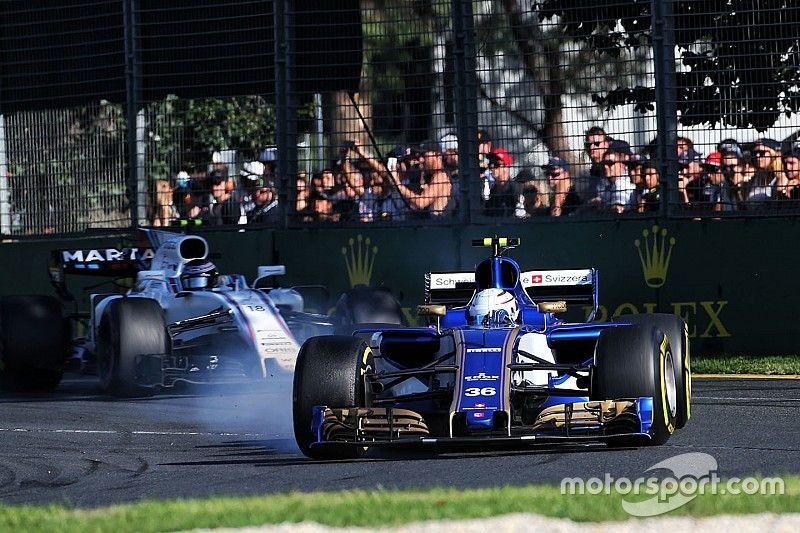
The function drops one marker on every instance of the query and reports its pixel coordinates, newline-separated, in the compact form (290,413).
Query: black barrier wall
(734,282)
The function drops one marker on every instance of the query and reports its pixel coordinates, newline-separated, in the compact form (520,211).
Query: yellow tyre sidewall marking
(662,372)
(687,372)
(364,359)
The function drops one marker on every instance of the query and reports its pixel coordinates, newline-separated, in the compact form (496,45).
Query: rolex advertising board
(730,280)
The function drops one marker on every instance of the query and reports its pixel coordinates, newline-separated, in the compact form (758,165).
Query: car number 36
(485,391)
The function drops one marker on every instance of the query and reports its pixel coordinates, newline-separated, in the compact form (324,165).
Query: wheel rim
(669,381)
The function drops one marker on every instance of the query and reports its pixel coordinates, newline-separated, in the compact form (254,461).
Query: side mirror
(266,271)
(431,310)
(552,307)
(271,270)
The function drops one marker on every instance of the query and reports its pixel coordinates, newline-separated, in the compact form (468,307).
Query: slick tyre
(367,307)
(635,361)
(130,327)
(330,371)
(678,334)
(34,343)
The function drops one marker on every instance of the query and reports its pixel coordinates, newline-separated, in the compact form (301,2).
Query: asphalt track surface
(80,448)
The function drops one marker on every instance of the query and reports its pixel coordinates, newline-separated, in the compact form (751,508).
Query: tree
(740,59)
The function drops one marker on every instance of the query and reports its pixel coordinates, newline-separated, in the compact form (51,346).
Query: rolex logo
(654,255)
(359,258)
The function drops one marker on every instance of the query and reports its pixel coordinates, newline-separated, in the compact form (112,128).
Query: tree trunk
(544,67)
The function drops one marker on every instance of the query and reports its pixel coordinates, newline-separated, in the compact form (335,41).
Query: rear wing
(574,286)
(100,262)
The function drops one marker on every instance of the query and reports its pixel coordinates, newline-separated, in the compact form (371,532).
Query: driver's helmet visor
(494,318)
(196,282)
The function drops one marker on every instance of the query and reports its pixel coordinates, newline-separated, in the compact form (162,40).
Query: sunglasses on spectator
(595,143)
(554,174)
(762,153)
(609,162)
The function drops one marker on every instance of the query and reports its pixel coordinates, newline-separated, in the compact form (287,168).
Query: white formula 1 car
(180,321)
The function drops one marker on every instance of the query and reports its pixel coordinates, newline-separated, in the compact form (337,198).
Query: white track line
(744,398)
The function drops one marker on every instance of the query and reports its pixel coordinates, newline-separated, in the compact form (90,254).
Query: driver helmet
(199,274)
(493,308)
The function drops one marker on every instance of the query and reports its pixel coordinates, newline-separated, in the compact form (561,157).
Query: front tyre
(677,333)
(635,361)
(130,328)
(330,371)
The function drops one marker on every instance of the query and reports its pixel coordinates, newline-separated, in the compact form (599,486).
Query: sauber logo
(481,376)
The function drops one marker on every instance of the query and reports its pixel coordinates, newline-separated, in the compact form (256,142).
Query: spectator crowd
(418,183)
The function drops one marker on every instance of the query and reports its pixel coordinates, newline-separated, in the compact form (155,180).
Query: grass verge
(369,509)
(769,365)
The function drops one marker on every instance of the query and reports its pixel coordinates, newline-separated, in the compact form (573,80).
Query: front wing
(572,422)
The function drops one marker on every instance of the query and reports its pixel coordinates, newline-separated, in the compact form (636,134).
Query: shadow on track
(265,453)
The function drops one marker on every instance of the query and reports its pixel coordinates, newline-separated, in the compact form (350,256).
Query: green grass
(367,509)
(729,364)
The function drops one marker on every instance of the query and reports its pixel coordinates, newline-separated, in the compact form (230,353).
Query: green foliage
(739,61)
(750,364)
(377,508)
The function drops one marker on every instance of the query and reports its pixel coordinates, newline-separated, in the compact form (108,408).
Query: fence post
(285,107)
(134,118)
(466,101)
(666,105)
(5,191)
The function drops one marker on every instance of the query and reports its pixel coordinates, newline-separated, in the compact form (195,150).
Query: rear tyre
(635,361)
(130,327)
(364,306)
(34,343)
(330,371)
(678,334)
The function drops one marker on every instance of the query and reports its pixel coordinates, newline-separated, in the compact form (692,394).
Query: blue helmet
(199,274)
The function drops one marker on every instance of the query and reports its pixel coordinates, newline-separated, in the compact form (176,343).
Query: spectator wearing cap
(435,197)
(650,197)
(381,202)
(717,192)
(265,199)
(320,208)
(615,193)
(449,146)
(690,185)
(634,164)
(503,195)
(730,146)
(769,180)
(564,200)
(250,176)
(187,196)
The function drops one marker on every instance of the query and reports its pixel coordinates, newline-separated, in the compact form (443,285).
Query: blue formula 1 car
(496,366)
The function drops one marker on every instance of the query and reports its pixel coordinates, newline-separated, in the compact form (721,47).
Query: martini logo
(654,255)
(359,258)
